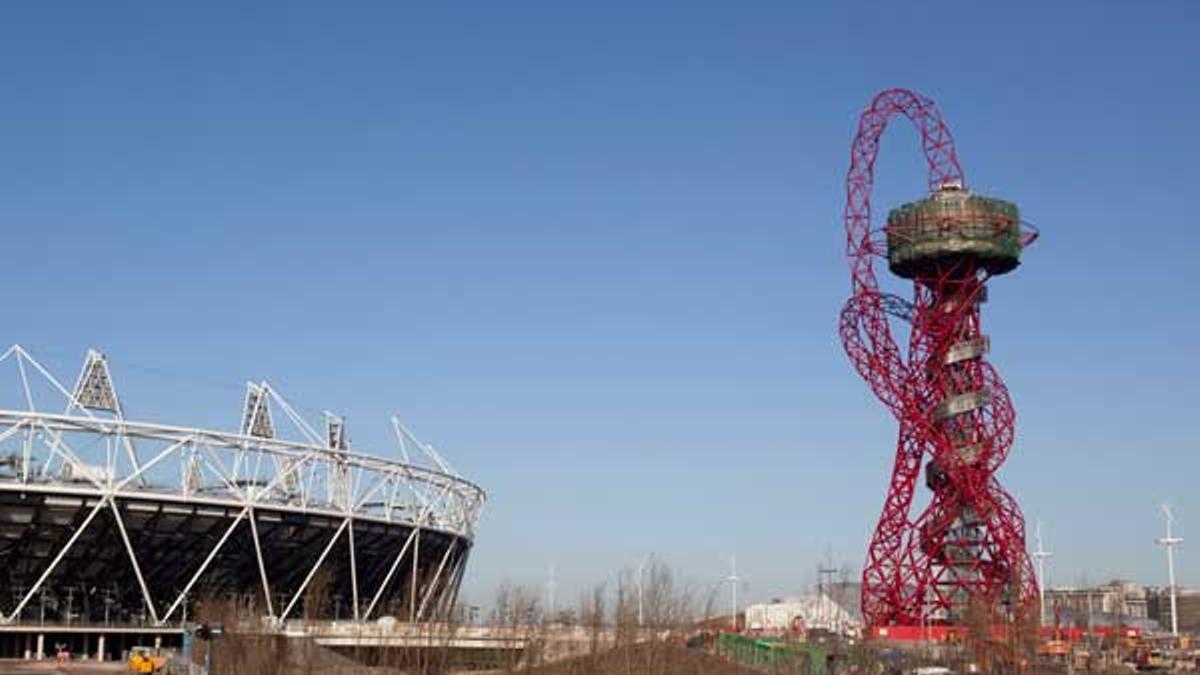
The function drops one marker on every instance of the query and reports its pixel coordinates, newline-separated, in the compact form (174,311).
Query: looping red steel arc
(954,411)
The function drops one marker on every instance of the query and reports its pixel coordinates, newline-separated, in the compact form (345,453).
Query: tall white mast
(733,580)
(1041,554)
(1170,542)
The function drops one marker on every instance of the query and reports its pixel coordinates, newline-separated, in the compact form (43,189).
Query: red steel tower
(925,565)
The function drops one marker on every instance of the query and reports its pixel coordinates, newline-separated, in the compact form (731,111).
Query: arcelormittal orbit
(956,418)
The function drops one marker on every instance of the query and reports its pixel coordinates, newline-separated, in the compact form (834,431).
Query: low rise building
(1187,601)
(1115,603)
(819,611)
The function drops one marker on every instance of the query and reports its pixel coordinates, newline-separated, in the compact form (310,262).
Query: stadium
(111,525)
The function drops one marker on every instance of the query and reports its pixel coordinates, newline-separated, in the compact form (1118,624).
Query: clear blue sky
(595,254)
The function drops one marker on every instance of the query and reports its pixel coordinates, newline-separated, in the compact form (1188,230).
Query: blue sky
(595,254)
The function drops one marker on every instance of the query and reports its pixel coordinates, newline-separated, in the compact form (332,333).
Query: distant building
(1187,601)
(1114,602)
(824,611)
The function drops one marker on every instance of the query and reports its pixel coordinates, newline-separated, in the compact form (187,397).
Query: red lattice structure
(925,565)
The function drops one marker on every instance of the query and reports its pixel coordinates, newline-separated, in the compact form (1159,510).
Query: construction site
(279,548)
(542,338)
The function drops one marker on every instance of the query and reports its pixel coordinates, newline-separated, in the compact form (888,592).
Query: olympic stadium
(111,523)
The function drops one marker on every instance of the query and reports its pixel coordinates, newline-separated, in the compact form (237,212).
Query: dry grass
(602,635)
(650,659)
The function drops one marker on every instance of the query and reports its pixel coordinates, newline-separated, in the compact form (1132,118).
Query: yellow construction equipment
(144,660)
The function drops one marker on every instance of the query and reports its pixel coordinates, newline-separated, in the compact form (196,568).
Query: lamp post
(1170,542)
(733,580)
(1040,554)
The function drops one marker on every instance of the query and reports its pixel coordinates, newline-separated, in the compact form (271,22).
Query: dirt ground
(52,668)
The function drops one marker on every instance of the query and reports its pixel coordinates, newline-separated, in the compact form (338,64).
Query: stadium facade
(107,522)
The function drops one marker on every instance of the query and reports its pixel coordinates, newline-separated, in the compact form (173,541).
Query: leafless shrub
(517,614)
(316,596)
(643,623)
(242,647)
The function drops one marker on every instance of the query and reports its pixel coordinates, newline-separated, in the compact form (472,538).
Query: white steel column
(436,578)
(312,572)
(439,608)
(57,559)
(353,568)
(204,566)
(262,568)
(412,598)
(388,577)
(137,570)
(462,570)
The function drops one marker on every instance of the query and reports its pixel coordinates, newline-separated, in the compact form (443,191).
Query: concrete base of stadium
(98,643)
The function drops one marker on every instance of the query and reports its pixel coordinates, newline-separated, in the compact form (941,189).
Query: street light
(733,580)
(1041,556)
(1170,543)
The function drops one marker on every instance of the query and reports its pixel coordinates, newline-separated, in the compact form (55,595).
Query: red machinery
(968,544)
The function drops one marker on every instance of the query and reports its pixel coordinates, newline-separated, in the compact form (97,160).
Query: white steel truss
(91,451)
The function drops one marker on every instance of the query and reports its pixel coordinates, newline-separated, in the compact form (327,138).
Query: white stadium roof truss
(83,445)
